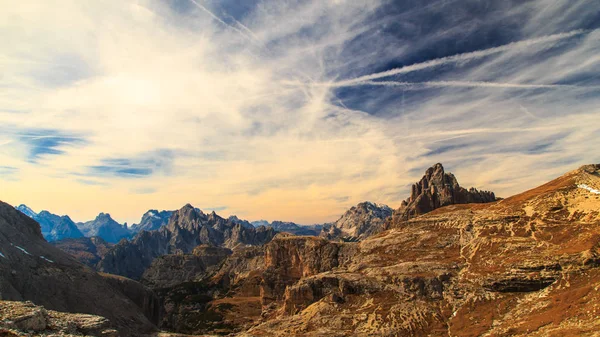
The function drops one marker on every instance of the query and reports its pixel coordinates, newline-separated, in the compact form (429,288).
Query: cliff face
(437,189)
(187,229)
(32,269)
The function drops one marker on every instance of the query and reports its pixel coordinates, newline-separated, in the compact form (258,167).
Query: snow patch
(47,259)
(21,249)
(2,255)
(586,187)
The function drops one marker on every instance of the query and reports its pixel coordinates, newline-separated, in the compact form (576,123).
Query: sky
(289,110)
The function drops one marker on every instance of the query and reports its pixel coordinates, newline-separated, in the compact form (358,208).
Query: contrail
(527,112)
(460,84)
(463,57)
(218,19)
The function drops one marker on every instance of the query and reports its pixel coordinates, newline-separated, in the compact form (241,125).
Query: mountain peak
(436,189)
(26,210)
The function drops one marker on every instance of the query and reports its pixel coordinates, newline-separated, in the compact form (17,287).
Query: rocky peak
(26,210)
(437,189)
(358,222)
(106,227)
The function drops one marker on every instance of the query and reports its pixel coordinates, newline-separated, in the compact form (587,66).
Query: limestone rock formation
(32,269)
(187,228)
(358,222)
(28,319)
(437,189)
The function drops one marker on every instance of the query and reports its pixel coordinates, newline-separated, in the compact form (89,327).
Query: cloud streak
(464,57)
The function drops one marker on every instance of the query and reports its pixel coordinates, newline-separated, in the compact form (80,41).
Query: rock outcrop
(28,319)
(358,222)
(437,189)
(32,269)
(187,228)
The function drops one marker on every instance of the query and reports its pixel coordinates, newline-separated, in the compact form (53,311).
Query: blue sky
(291,110)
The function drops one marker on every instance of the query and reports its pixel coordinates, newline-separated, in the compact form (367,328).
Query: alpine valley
(448,261)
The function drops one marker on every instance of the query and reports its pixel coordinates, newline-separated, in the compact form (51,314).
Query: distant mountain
(358,222)
(152,220)
(54,227)
(242,222)
(260,223)
(105,227)
(290,227)
(26,210)
(187,228)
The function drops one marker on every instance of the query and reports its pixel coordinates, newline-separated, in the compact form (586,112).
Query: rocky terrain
(88,251)
(105,227)
(358,222)
(26,319)
(32,269)
(54,227)
(524,266)
(528,265)
(187,228)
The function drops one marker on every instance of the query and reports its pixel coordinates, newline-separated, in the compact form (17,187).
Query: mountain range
(449,261)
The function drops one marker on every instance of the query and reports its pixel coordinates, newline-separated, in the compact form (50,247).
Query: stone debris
(28,319)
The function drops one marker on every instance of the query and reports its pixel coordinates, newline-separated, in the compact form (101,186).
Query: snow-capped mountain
(54,227)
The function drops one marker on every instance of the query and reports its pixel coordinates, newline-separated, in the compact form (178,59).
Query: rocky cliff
(187,229)
(32,269)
